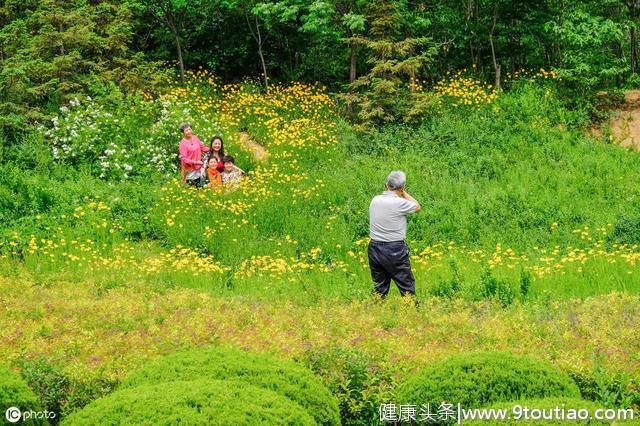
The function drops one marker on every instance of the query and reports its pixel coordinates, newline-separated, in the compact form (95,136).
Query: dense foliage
(285,377)
(528,241)
(193,402)
(14,392)
(516,199)
(480,379)
(53,51)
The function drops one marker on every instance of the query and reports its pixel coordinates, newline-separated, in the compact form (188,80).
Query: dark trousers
(391,261)
(194,182)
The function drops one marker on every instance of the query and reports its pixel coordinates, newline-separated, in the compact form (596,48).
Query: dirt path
(625,123)
(258,151)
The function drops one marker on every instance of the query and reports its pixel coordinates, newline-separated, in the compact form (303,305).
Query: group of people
(206,167)
(388,252)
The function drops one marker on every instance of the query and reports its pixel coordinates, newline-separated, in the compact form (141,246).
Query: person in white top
(388,252)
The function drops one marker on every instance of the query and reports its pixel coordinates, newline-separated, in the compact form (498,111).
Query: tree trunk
(473,57)
(257,36)
(264,67)
(515,47)
(496,67)
(469,15)
(180,60)
(164,15)
(634,37)
(354,63)
(176,37)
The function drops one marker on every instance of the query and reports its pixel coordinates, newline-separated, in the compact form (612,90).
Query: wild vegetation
(525,253)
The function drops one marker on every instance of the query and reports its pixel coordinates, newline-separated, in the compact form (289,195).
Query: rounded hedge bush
(479,379)
(288,378)
(206,402)
(14,392)
(547,405)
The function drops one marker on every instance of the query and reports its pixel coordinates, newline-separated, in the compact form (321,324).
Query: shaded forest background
(54,50)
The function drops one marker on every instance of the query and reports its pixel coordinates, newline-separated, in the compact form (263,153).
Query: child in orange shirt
(215,177)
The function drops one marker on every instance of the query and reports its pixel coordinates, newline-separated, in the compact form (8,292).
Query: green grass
(523,213)
(521,178)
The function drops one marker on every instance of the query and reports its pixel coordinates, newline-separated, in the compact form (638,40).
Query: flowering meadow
(528,242)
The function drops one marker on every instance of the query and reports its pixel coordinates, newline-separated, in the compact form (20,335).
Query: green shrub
(626,230)
(287,378)
(357,380)
(57,391)
(478,379)
(14,392)
(525,283)
(525,412)
(607,388)
(445,288)
(193,402)
(492,287)
(448,288)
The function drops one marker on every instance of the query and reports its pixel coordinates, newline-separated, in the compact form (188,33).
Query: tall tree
(328,23)
(258,17)
(53,50)
(589,35)
(341,19)
(633,7)
(254,24)
(496,67)
(386,93)
(170,13)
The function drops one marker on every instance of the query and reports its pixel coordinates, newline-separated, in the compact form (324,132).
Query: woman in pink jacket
(191,149)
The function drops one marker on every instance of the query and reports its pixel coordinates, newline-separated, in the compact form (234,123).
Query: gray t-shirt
(388,217)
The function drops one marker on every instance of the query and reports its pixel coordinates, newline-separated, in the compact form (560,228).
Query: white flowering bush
(132,137)
(138,134)
(111,138)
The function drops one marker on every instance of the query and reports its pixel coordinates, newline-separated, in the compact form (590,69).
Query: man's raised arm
(408,197)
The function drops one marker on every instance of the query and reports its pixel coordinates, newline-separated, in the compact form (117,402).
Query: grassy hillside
(527,238)
(508,187)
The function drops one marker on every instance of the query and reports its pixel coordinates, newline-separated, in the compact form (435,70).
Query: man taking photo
(388,251)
